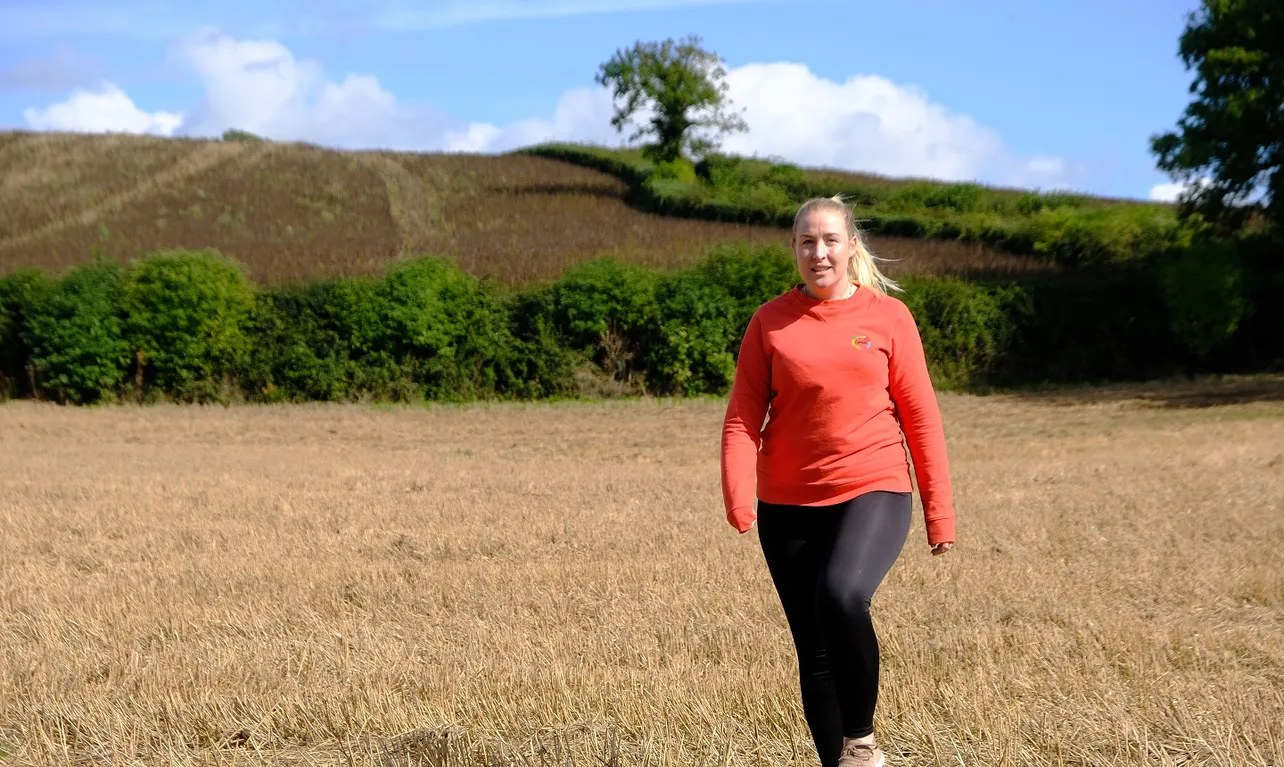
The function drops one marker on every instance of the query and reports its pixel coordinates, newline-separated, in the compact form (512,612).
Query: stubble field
(555,584)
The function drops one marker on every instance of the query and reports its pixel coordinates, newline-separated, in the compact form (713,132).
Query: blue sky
(1047,94)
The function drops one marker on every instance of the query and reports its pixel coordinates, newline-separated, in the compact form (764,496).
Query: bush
(184,312)
(296,348)
(691,352)
(605,308)
(1205,293)
(966,328)
(19,292)
(964,198)
(675,170)
(76,335)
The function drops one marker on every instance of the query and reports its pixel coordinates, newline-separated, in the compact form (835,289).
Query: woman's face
(822,249)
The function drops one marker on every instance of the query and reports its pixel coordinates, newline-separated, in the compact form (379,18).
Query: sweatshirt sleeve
(920,417)
(742,428)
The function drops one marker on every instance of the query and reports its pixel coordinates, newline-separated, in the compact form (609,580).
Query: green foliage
(245,137)
(296,348)
(76,336)
(683,87)
(965,328)
(1070,229)
(1205,292)
(604,308)
(427,330)
(696,329)
(19,292)
(680,169)
(1229,135)
(184,315)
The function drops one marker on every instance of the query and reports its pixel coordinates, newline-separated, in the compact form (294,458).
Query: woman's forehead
(822,221)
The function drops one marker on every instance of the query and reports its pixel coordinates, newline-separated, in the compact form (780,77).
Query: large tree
(1229,143)
(683,89)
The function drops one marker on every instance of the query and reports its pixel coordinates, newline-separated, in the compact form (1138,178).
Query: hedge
(190,326)
(1069,229)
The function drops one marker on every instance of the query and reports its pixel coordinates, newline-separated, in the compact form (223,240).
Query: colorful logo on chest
(862,342)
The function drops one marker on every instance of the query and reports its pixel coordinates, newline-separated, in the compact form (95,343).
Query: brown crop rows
(296,212)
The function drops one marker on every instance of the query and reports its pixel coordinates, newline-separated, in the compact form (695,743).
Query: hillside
(292,211)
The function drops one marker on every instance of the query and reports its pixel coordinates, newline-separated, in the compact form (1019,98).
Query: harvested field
(294,212)
(554,583)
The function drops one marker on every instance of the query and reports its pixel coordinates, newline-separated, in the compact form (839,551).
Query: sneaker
(856,754)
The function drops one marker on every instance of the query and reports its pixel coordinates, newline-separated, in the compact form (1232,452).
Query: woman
(838,365)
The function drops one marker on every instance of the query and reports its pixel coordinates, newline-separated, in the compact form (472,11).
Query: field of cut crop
(552,584)
(293,212)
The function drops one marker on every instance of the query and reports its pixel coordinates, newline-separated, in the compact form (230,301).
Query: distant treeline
(1069,229)
(191,326)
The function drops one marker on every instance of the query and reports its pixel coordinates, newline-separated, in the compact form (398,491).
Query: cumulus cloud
(106,110)
(865,123)
(259,86)
(1171,192)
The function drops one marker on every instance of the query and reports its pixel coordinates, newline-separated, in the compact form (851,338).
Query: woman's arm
(920,417)
(742,428)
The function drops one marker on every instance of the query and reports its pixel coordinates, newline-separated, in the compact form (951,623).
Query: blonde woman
(837,364)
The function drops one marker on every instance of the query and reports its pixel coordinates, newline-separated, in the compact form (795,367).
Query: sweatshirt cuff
(742,518)
(940,530)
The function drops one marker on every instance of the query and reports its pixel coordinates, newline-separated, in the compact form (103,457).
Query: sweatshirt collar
(861,297)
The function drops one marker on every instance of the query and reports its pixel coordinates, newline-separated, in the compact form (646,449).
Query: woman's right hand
(942,547)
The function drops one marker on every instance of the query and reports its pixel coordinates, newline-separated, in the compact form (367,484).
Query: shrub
(75,334)
(434,319)
(691,351)
(749,277)
(296,350)
(964,198)
(675,170)
(245,137)
(1204,290)
(538,363)
(604,308)
(19,292)
(965,328)
(184,312)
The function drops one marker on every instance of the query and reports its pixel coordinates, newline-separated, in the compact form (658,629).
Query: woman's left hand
(941,548)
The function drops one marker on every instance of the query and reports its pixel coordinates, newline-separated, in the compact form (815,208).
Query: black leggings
(826,563)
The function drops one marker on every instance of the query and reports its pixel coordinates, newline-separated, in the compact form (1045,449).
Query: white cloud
(581,115)
(1166,192)
(866,123)
(1170,192)
(107,110)
(259,86)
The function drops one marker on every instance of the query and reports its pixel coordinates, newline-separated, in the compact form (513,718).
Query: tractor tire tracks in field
(418,220)
(199,161)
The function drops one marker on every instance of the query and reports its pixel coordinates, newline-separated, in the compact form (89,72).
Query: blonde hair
(862,269)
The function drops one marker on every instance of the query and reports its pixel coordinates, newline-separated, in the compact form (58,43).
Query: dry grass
(554,584)
(297,212)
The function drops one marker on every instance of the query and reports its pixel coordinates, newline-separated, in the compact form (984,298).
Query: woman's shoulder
(786,302)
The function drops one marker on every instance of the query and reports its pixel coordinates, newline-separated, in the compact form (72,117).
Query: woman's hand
(941,548)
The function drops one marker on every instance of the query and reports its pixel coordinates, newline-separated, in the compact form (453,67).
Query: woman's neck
(843,290)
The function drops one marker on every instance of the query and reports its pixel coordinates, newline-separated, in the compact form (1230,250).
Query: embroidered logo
(862,342)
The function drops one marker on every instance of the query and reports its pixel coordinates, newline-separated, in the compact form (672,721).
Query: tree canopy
(1229,143)
(681,90)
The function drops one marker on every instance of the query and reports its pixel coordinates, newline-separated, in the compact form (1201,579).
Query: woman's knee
(847,595)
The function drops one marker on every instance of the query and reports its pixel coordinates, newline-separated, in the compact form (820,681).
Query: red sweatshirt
(841,380)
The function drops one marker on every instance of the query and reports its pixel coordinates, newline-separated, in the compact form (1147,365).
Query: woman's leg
(795,542)
(868,536)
